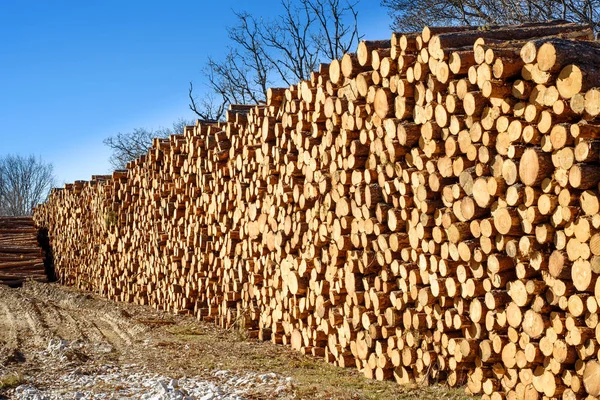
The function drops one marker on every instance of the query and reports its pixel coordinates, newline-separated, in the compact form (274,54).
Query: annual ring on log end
(505,221)
(531,169)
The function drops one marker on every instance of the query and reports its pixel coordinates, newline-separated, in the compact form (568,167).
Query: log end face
(503,221)
(296,340)
(362,53)
(591,378)
(592,102)
(381,103)
(569,81)
(347,65)
(434,46)
(546,56)
(533,324)
(575,176)
(529,167)
(335,71)
(528,52)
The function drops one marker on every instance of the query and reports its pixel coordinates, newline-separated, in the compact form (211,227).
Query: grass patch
(155,322)
(186,330)
(11,381)
(196,348)
(313,377)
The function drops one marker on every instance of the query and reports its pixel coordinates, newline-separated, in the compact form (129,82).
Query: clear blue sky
(75,72)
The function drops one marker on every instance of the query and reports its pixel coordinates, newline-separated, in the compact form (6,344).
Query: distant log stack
(425,210)
(20,255)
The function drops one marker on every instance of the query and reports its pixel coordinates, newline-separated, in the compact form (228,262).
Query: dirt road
(58,343)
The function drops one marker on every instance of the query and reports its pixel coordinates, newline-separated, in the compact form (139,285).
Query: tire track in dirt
(40,313)
(8,334)
(68,316)
(21,320)
(38,327)
(116,330)
(109,334)
(79,328)
(27,318)
(105,339)
(57,322)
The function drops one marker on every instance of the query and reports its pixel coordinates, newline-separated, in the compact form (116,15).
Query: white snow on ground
(131,381)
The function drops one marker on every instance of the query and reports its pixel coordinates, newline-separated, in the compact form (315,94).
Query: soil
(52,336)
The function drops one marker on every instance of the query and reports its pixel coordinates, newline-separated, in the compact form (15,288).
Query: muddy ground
(60,343)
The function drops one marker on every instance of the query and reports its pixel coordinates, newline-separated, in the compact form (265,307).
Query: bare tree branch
(131,145)
(412,15)
(279,51)
(208,110)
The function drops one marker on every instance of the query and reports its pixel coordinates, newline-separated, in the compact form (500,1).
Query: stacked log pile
(426,209)
(20,255)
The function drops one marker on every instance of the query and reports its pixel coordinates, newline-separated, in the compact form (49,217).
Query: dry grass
(11,381)
(313,377)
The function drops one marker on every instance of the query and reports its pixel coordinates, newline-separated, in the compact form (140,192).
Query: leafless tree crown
(412,15)
(24,183)
(281,51)
(131,145)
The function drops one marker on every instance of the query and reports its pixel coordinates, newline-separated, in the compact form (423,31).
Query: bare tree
(131,145)
(280,51)
(178,127)
(412,15)
(24,183)
(207,108)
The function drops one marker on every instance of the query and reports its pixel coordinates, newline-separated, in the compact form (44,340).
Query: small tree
(24,183)
(131,145)
(281,51)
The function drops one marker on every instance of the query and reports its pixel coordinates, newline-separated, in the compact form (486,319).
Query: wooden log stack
(20,255)
(426,209)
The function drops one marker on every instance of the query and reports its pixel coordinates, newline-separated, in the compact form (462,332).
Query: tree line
(24,183)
